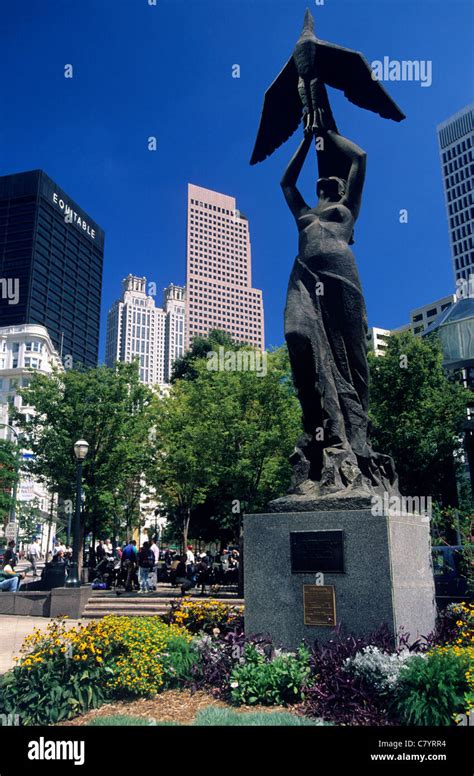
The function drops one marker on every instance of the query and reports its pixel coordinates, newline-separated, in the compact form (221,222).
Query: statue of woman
(326,326)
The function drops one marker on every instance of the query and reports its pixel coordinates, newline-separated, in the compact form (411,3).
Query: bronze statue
(325,316)
(315,62)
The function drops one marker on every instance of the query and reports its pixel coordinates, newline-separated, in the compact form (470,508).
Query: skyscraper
(138,329)
(219,293)
(174,307)
(456,140)
(51,258)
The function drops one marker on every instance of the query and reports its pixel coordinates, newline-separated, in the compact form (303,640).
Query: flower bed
(204,616)
(63,672)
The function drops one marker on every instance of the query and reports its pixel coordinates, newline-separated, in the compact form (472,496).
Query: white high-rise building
(420,319)
(174,306)
(456,142)
(138,329)
(24,350)
(377,340)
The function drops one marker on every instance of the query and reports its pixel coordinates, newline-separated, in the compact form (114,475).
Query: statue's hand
(307,123)
(319,125)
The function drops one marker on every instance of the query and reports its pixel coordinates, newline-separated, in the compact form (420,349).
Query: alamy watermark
(465,288)
(237,361)
(420,70)
(10,289)
(393,506)
(9,720)
(42,749)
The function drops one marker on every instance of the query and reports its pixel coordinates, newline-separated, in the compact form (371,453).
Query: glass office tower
(51,259)
(456,142)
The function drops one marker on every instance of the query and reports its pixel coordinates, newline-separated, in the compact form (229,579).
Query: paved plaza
(12,632)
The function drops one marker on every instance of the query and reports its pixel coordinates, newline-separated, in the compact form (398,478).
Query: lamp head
(80,449)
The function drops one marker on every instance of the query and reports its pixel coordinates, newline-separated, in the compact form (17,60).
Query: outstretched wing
(281,114)
(349,71)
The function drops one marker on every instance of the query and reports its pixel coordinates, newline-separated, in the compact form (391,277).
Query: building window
(32,362)
(33,347)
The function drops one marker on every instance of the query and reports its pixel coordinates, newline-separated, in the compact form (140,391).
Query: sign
(72,216)
(319,605)
(27,490)
(315,551)
(11,531)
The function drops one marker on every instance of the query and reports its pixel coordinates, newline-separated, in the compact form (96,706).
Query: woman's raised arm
(355,181)
(293,197)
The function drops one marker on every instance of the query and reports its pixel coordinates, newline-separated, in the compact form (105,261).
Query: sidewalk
(12,632)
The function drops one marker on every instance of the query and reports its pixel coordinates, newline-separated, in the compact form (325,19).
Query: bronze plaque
(319,603)
(313,551)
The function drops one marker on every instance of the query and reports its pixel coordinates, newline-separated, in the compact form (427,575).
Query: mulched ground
(179,706)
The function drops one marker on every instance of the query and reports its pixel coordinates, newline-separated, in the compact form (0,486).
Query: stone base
(59,602)
(69,601)
(387,575)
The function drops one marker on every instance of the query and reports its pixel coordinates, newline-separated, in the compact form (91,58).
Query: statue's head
(331,188)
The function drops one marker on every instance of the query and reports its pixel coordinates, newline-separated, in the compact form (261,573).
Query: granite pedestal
(387,575)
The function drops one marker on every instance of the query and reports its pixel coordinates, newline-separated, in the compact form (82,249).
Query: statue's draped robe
(326,333)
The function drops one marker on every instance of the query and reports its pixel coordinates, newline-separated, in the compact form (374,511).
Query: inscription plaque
(319,605)
(313,551)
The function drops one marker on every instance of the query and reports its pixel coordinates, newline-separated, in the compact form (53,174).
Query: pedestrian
(182,578)
(100,552)
(129,563)
(189,555)
(202,569)
(10,581)
(146,561)
(225,560)
(156,554)
(174,570)
(109,550)
(58,547)
(34,555)
(10,557)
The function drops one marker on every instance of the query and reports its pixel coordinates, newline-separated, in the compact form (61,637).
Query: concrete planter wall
(61,601)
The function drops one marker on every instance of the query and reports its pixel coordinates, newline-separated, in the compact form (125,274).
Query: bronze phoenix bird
(299,89)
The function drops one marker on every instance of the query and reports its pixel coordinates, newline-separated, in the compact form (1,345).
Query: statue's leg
(321,107)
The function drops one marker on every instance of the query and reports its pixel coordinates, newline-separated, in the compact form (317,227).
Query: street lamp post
(80,451)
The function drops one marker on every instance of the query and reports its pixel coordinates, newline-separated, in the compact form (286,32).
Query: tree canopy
(417,413)
(110,409)
(223,440)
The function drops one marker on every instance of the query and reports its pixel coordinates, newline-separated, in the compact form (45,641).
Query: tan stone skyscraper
(219,293)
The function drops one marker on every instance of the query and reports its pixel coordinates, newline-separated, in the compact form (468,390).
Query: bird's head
(308,24)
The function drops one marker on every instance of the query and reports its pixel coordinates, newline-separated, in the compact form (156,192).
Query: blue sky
(166,71)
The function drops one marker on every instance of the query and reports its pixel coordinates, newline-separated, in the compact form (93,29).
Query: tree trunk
(186,521)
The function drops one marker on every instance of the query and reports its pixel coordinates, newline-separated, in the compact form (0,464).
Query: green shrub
(270,683)
(433,689)
(67,671)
